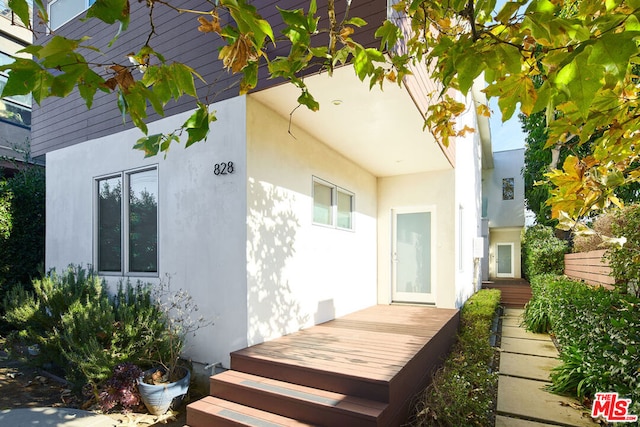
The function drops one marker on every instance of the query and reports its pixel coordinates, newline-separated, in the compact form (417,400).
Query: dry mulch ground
(25,386)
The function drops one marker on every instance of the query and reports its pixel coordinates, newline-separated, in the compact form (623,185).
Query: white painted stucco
(505,213)
(300,274)
(432,190)
(202,221)
(468,202)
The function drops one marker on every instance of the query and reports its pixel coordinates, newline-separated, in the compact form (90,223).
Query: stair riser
(314,413)
(311,378)
(196,418)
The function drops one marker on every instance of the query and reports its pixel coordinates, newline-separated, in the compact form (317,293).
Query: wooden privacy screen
(591,267)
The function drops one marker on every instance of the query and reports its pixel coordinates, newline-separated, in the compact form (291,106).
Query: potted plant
(165,385)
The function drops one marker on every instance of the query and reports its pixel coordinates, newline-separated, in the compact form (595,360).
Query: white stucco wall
(300,274)
(505,213)
(202,223)
(468,202)
(430,189)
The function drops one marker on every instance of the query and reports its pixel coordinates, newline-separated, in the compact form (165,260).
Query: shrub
(22,224)
(85,331)
(603,226)
(625,260)
(599,336)
(463,391)
(542,251)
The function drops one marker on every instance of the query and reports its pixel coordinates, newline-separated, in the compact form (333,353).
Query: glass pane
(504,259)
(143,222)
(507,188)
(345,210)
(322,212)
(109,224)
(62,11)
(413,251)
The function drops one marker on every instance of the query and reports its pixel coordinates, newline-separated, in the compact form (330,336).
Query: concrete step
(211,411)
(318,407)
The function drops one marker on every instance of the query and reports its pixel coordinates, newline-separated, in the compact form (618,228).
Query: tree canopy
(583,52)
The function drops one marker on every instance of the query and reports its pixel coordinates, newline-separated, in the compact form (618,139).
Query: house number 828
(223,168)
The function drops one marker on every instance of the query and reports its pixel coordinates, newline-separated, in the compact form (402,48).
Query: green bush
(22,224)
(599,336)
(463,391)
(82,329)
(625,260)
(542,251)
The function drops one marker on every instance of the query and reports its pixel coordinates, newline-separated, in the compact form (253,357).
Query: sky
(508,135)
(504,136)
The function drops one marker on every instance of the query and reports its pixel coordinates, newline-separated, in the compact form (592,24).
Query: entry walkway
(525,364)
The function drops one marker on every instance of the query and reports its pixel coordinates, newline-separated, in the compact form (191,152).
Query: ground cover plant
(463,391)
(82,330)
(542,251)
(598,333)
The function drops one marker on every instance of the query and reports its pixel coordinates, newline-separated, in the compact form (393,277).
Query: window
(332,205)
(508,189)
(127,227)
(15,109)
(63,11)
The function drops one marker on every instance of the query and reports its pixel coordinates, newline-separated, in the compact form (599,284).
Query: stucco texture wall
(202,223)
(300,273)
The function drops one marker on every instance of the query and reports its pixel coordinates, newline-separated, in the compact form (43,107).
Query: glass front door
(504,259)
(412,256)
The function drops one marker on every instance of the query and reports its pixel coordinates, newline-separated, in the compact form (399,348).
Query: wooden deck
(359,370)
(515,292)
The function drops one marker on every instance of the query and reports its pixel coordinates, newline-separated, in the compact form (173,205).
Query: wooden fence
(591,267)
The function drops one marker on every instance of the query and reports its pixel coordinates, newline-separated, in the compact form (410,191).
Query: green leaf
(21,8)
(110,12)
(183,78)
(88,85)
(389,34)
(356,22)
(197,125)
(507,11)
(59,45)
(613,52)
(581,80)
(149,144)
(308,100)
(64,83)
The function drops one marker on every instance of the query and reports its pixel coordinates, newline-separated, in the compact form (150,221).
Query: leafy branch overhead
(584,53)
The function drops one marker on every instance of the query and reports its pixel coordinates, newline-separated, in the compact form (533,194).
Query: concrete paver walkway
(58,417)
(526,361)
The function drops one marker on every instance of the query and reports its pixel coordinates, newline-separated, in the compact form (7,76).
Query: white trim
(87,5)
(334,204)
(428,298)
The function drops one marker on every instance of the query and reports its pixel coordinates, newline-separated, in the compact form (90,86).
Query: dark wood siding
(59,123)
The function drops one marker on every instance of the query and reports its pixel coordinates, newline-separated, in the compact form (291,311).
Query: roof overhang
(380,130)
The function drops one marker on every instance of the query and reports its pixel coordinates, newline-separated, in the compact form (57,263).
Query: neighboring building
(282,219)
(503,213)
(15,111)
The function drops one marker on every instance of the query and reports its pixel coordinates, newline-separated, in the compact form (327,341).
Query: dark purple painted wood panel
(59,123)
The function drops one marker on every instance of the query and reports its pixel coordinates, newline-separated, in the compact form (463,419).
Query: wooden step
(211,411)
(306,404)
(323,376)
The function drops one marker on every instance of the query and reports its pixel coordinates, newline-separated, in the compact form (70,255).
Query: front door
(412,255)
(504,260)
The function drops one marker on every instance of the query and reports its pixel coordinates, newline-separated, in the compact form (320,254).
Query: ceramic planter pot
(159,398)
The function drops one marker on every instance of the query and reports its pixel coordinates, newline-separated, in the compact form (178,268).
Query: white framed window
(126,223)
(17,108)
(63,11)
(332,206)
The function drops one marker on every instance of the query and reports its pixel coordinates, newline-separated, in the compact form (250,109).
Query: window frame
(505,183)
(335,190)
(87,5)
(125,211)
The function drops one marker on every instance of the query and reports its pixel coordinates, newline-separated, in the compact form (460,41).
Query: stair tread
(315,396)
(242,414)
